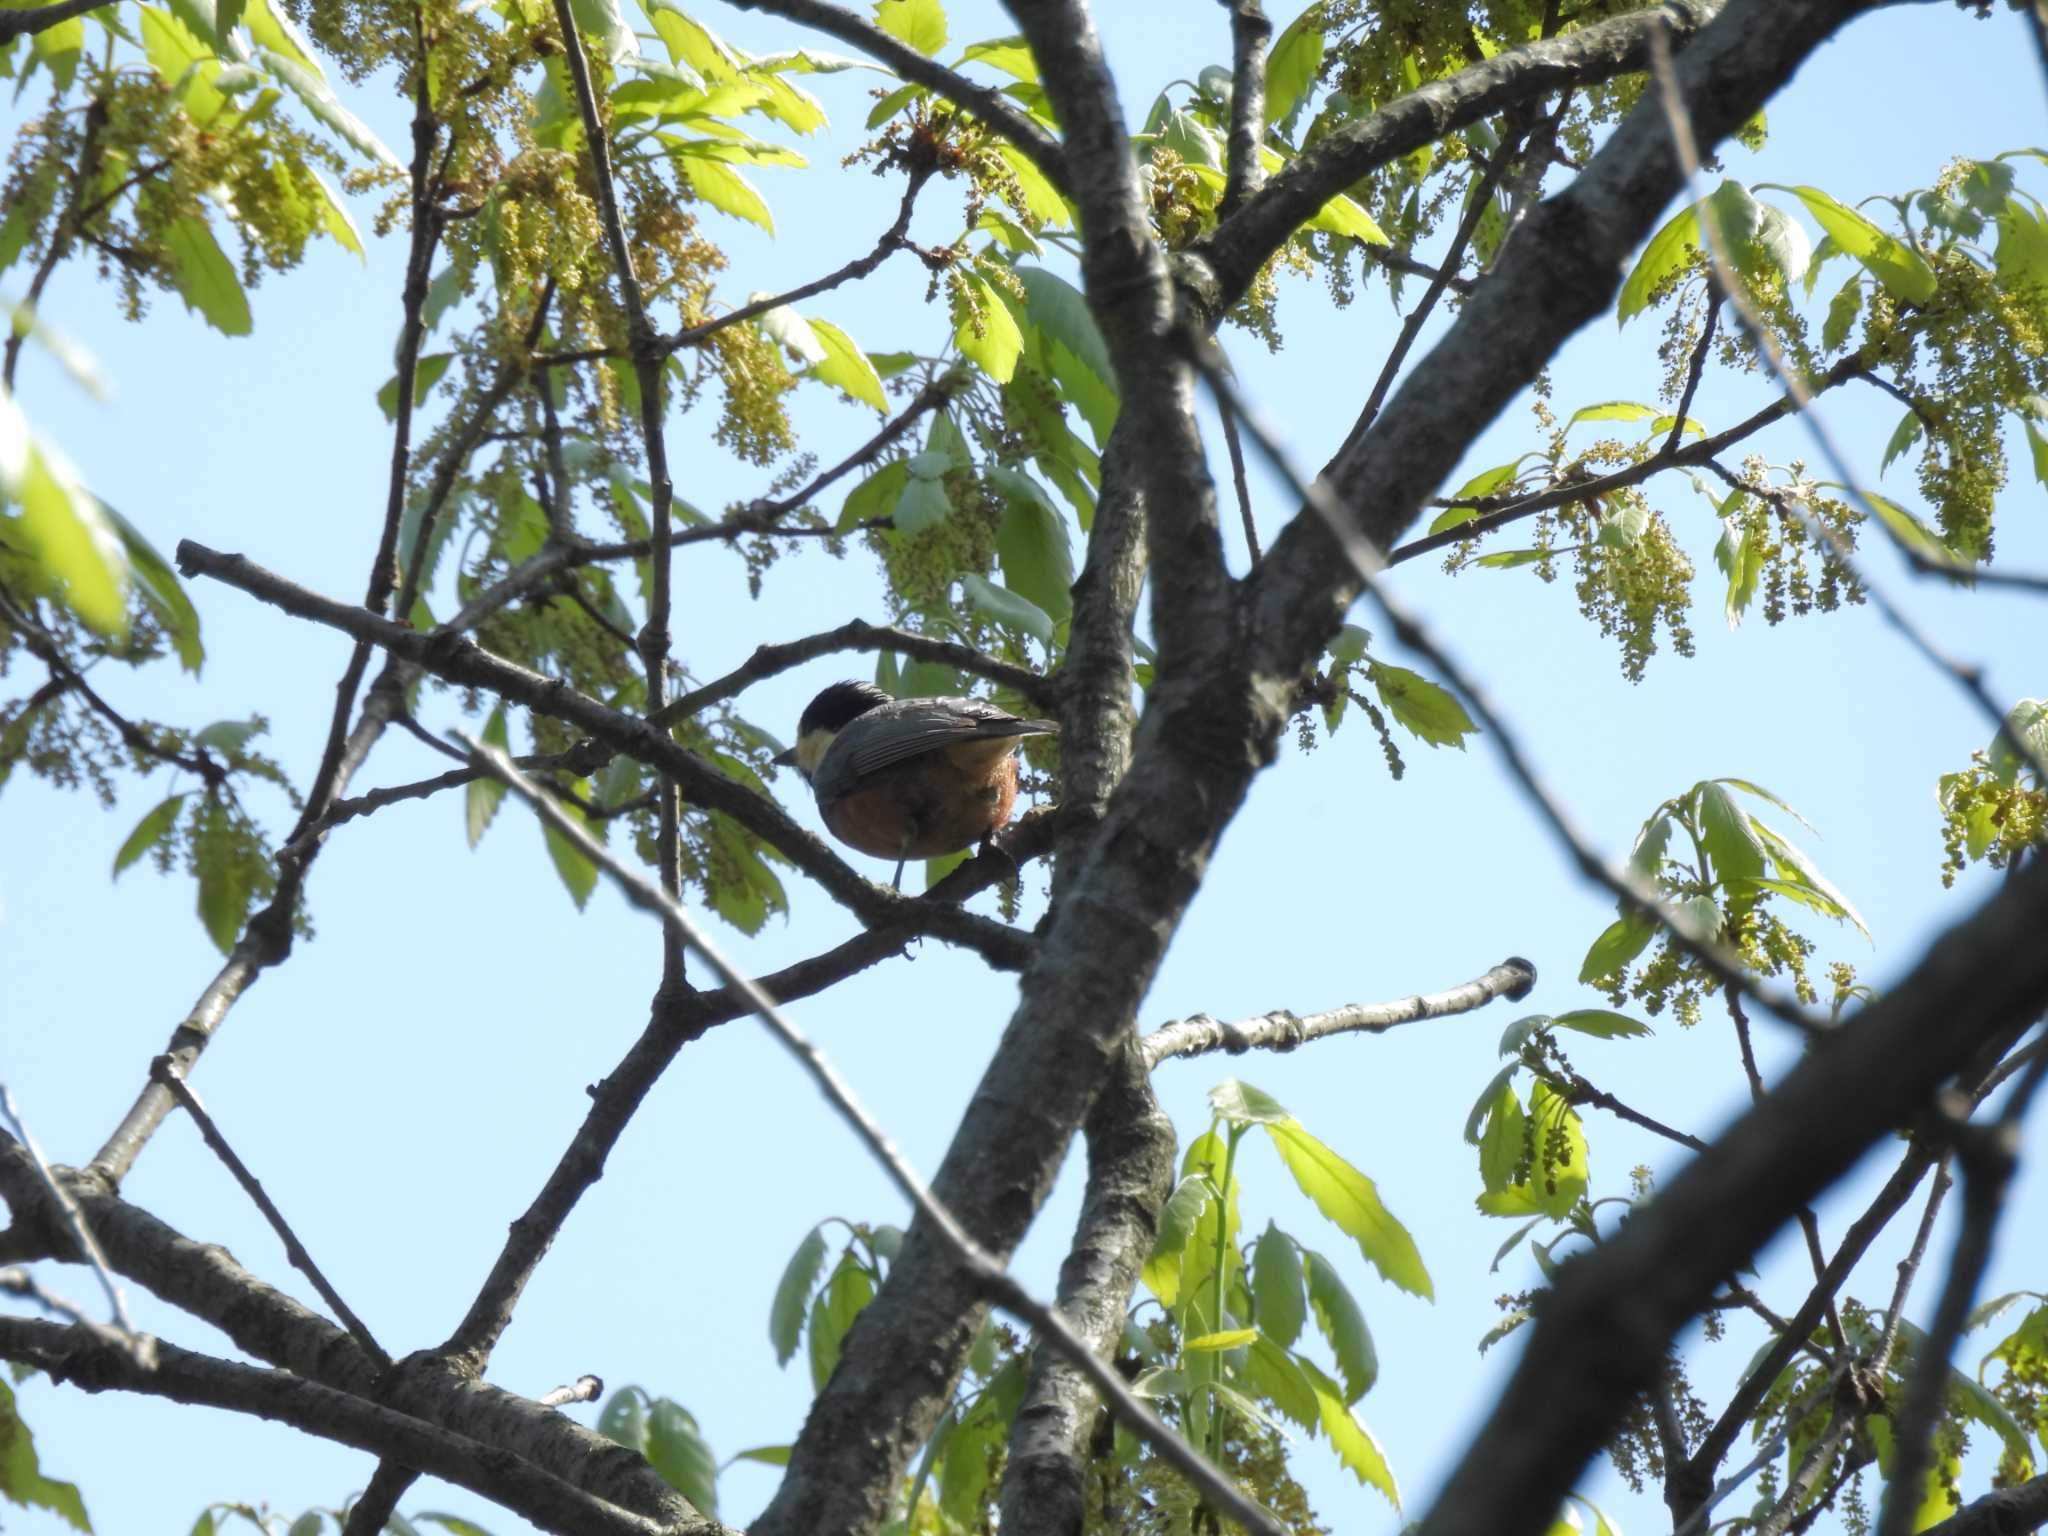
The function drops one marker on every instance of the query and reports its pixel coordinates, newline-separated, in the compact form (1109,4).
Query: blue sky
(404,1083)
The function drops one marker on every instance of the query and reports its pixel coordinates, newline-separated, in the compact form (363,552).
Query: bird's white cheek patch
(810,751)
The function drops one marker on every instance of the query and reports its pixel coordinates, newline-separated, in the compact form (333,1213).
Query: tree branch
(1240,245)
(1250,31)
(977,101)
(73,1355)
(462,661)
(1281,1030)
(14,24)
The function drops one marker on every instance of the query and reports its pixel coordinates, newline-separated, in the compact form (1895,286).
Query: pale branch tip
(1282,1030)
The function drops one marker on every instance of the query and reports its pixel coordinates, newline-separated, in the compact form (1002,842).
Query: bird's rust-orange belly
(938,803)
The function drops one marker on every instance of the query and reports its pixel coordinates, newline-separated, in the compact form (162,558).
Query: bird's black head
(838,704)
(823,718)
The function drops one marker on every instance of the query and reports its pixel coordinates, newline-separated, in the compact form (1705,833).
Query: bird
(909,779)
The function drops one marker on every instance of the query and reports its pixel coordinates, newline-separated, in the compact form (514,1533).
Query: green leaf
(1342,1325)
(71,537)
(1353,1442)
(1242,1104)
(1843,309)
(578,874)
(2022,256)
(1042,200)
(833,1312)
(766,1455)
(426,374)
(1619,943)
(1907,530)
(1074,349)
(603,20)
(1500,1144)
(1274,1374)
(1427,710)
(161,590)
(1741,560)
(148,832)
(1808,885)
(623,1419)
(1902,270)
(1229,1338)
(990,338)
(1613,410)
(205,277)
(1341,216)
(1007,608)
(1758,237)
(1178,1219)
(1667,251)
(1031,542)
(1904,436)
(874,497)
(1012,55)
(1277,1286)
(846,367)
(454,1524)
(922,505)
(223,875)
(920,23)
(304,82)
(726,190)
(481,796)
(1601,1023)
(1293,63)
(1727,834)
(896,101)
(2027,723)
(1349,1199)
(690,42)
(676,1449)
(793,1294)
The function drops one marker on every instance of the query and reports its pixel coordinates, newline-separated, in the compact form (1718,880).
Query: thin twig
(1282,1030)
(584,1389)
(17,1281)
(1580,1091)
(89,1250)
(1409,629)
(998,1284)
(164,1072)
(1235,443)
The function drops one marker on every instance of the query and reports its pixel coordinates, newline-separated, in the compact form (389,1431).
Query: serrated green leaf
(1431,712)
(1178,1219)
(1007,608)
(832,1313)
(1843,309)
(1031,542)
(676,1449)
(1613,410)
(1242,1104)
(1293,63)
(205,277)
(846,367)
(1229,1338)
(148,832)
(1501,1142)
(577,873)
(1619,943)
(1902,270)
(318,97)
(1353,1442)
(161,590)
(1727,834)
(1277,1286)
(1601,1023)
(1012,55)
(874,497)
(990,338)
(1908,530)
(726,190)
(1350,1200)
(1274,1374)
(1342,1324)
(1904,436)
(1666,252)
(481,796)
(2026,723)
(793,1294)
(920,23)
(223,899)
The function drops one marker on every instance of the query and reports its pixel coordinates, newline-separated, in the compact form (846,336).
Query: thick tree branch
(1250,31)
(977,101)
(461,661)
(1281,1030)
(75,1356)
(1240,245)
(14,24)
(1609,1319)
(2008,1512)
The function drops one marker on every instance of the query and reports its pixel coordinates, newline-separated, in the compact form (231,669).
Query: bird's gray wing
(895,733)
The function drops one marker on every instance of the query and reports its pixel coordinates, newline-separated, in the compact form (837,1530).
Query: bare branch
(87,1247)
(17,1281)
(584,1389)
(75,1356)
(1281,1030)
(1249,33)
(2013,1511)
(977,101)
(14,24)
(163,1071)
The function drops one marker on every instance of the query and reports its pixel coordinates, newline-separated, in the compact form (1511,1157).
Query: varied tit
(909,778)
